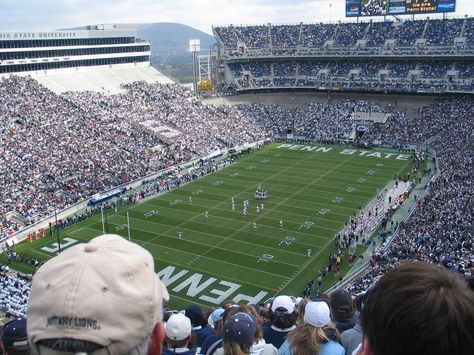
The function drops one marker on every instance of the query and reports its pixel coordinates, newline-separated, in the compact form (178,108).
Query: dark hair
(281,319)
(188,342)
(419,308)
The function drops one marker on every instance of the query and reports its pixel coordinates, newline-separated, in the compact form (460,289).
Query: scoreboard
(356,8)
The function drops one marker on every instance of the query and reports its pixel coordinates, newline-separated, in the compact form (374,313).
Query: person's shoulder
(269,349)
(332,348)
(284,348)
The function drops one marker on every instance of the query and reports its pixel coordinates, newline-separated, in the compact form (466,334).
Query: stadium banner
(356,8)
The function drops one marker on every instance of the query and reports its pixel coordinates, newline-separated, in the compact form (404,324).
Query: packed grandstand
(59,149)
(412,56)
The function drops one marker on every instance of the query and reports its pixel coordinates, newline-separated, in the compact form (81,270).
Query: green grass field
(312,189)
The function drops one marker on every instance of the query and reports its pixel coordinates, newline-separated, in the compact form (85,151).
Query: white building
(99,58)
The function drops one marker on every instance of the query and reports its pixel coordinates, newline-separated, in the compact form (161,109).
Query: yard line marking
(199,243)
(240,240)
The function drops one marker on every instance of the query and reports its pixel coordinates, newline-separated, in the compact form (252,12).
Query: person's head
(239,334)
(178,331)
(308,336)
(301,305)
(195,314)
(14,338)
(283,313)
(101,297)
(215,320)
(418,308)
(342,305)
(249,309)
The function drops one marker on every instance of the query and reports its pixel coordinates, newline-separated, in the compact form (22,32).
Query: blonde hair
(301,310)
(306,339)
(232,348)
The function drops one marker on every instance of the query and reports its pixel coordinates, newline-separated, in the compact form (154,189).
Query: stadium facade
(414,56)
(38,53)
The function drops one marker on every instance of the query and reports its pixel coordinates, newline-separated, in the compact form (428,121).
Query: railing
(328,52)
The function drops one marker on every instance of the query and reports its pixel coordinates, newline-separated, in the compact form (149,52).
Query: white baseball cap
(317,314)
(178,327)
(105,292)
(283,302)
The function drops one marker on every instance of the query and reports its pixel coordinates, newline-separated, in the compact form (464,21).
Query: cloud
(48,15)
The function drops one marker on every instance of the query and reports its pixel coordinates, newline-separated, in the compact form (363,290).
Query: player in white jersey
(281,223)
(206,215)
(309,252)
(254,225)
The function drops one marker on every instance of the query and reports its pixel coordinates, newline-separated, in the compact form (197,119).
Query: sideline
(403,213)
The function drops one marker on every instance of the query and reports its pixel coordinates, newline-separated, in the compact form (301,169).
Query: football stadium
(318,169)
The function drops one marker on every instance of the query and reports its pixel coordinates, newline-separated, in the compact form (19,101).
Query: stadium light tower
(194,46)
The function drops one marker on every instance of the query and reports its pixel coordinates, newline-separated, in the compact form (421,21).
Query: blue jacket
(329,348)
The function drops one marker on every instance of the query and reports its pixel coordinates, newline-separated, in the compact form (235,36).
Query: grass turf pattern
(206,261)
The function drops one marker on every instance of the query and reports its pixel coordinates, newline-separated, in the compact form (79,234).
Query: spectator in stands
(214,341)
(200,327)
(103,296)
(14,339)
(282,321)
(351,338)
(240,336)
(316,335)
(178,339)
(343,311)
(418,308)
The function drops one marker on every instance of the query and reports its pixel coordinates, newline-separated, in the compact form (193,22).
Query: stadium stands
(53,144)
(350,56)
(57,129)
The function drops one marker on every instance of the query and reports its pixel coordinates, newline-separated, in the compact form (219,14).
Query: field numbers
(287,240)
(307,225)
(175,202)
(371,172)
(379,164)
(251,167)
(68,242)
(234,174)
(350,189)
(324,211)
(197,192)
(338,199)
(150,213)
(361,180)
(120,227)
(277,155)
(265,258)
(217,182)
(264,161)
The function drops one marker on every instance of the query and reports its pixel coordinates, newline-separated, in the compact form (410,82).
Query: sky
(31,15)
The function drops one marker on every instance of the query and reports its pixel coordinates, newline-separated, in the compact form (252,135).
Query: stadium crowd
(284,39)
(440,230)
(356,75)
(384,320)
(315,55)
(60,149)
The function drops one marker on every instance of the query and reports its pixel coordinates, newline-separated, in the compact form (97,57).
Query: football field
(312,190)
